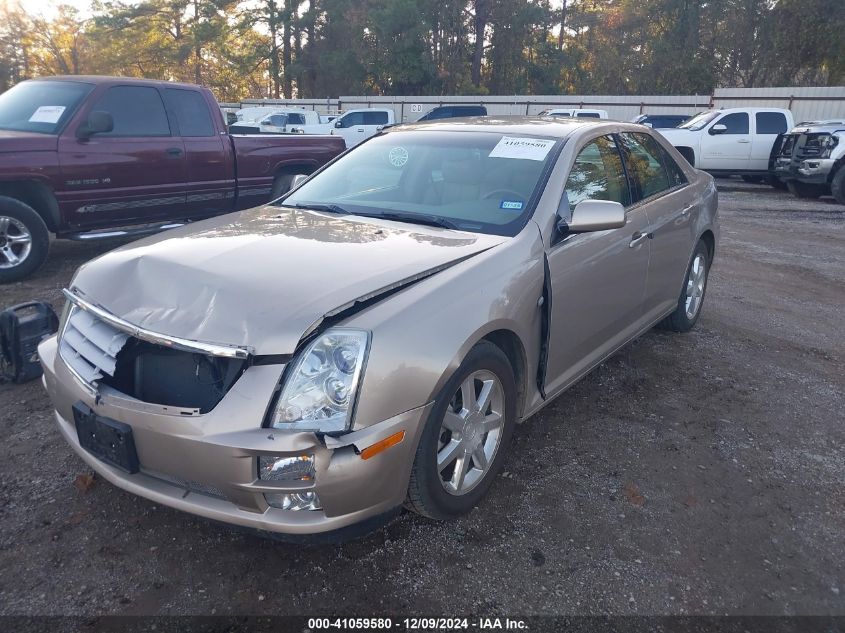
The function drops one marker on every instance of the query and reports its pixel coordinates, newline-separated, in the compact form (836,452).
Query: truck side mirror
(338,123)
(99,122)
(719,128)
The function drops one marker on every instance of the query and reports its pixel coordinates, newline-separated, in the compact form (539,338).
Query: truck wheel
(24,240)
(775,182)
(687,153)
(282,184)
(805,190)
(837,185)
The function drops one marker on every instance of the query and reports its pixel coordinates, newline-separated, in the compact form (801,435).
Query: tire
(757,180)
(804,190)
(282,184)
(24,240)
(684,319)
(837,185)
(774,181)
(687,153)
(428,493)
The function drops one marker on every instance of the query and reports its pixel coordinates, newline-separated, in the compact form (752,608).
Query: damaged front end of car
(215,430)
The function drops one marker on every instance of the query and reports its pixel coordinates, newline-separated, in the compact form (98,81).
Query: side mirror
(298,180)
(338,124)
(594,215)
(98,122)
(719,128)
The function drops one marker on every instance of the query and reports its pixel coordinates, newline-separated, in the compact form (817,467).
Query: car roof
(105,79)
(559,127)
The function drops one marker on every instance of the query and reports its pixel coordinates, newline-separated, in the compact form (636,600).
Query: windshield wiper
(413,218)
(328,208)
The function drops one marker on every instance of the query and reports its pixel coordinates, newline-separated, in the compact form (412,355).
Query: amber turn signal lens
(378,447)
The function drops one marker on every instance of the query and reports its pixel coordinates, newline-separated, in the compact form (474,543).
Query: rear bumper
(207,464)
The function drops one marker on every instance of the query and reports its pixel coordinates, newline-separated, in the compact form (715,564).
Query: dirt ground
(690,474)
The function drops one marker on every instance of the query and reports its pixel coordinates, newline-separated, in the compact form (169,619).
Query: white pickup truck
(359,125)
(731,141)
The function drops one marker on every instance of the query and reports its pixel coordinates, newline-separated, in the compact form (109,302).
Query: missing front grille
(159,375)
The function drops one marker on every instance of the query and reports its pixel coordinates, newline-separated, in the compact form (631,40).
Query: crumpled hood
(262,278)
(11,141)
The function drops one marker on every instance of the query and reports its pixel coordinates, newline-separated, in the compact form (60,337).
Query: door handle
(638,237)
(174,151)
(743,140)
(360,129)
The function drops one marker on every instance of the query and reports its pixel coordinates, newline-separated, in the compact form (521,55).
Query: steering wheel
(498,192)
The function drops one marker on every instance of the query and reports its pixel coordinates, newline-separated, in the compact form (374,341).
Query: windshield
(699,120)
(475,181)
(40,106)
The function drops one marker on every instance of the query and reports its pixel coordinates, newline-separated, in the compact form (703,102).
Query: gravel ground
(689,474)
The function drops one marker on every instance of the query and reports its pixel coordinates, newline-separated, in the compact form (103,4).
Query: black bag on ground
(22,328)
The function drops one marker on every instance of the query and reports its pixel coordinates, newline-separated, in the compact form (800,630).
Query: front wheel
(805,190)
(24,240)
(686,314)
(837,185)
(466,436)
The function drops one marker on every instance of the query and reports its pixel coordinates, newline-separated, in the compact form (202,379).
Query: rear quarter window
(770,122)
(191,112)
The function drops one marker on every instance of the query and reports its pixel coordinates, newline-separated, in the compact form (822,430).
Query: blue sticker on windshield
(511,205)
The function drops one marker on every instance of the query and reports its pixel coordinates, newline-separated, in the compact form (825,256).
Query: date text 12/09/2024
(417,624)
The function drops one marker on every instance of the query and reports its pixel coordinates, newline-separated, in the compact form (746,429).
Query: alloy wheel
(15,242)
(695,285)
(471,432)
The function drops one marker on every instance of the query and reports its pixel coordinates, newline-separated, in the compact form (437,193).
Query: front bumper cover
(207,464)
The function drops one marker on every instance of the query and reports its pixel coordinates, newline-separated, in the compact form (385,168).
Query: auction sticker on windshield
(522,148)
(47,114)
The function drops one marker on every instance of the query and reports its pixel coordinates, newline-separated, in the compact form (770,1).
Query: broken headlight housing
(319,391)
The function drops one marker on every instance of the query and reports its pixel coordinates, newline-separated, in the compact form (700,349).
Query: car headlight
(319,391)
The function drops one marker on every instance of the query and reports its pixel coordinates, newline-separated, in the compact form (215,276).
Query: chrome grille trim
(187,345)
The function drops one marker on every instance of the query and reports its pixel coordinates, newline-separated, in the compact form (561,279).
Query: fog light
(274,468)
(294,500)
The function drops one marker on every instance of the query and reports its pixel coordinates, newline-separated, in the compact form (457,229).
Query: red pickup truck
(79,155)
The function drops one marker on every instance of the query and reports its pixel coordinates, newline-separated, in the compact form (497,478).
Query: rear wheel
(24,240)
(686,314)
(282,184)
(837,185)
(805,190)
(466,436)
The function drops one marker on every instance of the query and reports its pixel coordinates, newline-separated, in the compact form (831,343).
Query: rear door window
(770,122)
(645,167)
(296,119)
(597,174)
(191,112)
(136,110)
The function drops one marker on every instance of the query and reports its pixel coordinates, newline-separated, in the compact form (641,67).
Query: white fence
(806,103)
